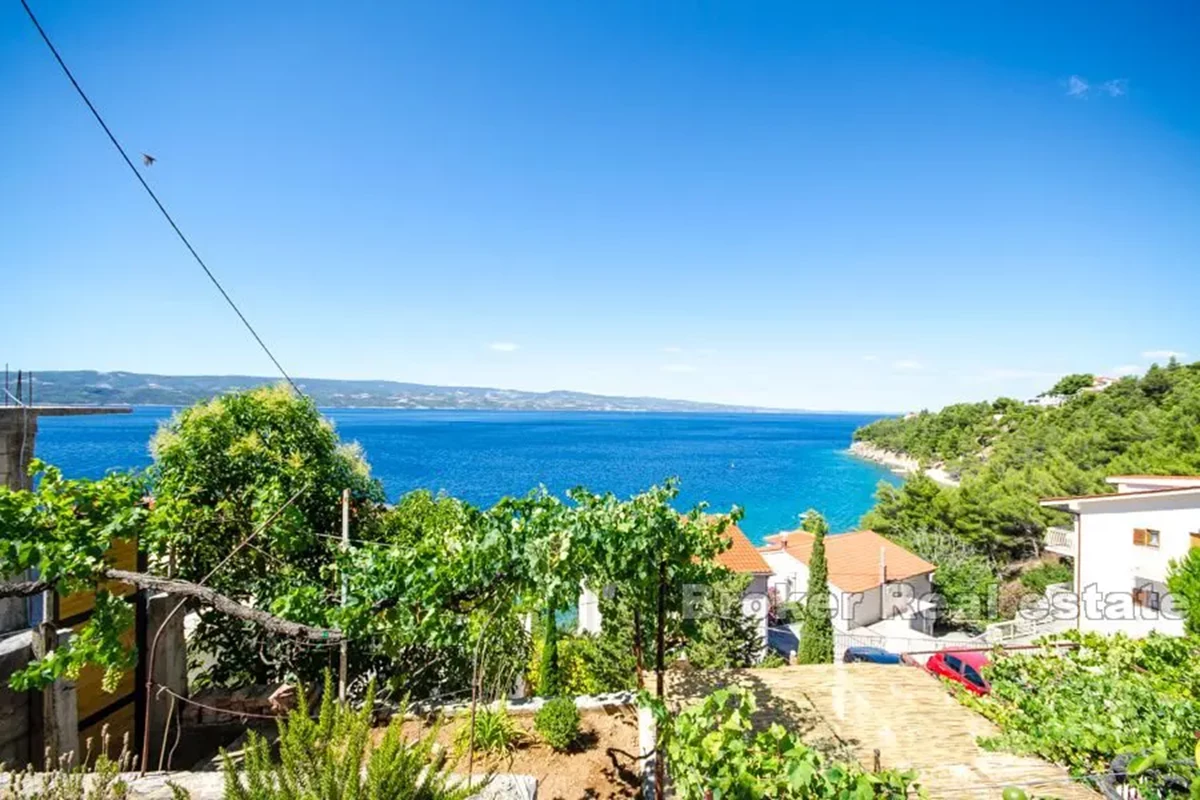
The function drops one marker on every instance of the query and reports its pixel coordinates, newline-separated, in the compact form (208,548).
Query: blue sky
(830,206)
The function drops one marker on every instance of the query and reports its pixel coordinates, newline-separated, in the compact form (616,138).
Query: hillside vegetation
(1007,455)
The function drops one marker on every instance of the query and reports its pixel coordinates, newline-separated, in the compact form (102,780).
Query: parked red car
(961,667)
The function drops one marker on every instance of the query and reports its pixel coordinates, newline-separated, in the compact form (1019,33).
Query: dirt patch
(592,770)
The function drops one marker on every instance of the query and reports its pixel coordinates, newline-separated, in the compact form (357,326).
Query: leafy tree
(64,529)
(1072,384)
(816,632)
(1183,581)
(224,468)
(648,552)
(965,580)
(1156,383)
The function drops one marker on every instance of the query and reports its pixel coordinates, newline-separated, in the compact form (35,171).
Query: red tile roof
(741,555)
(853,558)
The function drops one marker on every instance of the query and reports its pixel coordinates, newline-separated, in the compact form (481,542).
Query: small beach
(900,463)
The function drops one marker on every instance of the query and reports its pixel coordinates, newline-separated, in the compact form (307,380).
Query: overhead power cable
(83,95)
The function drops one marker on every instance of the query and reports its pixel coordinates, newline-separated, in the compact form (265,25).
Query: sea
(775,466)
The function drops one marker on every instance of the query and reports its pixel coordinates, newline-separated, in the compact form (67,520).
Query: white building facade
(1122,545)
(879,593)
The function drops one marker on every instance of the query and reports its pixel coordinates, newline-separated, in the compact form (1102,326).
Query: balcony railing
(1060,541)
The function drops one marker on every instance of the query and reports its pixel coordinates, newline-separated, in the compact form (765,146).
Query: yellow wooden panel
(122,554)
(90,696)
(120,722)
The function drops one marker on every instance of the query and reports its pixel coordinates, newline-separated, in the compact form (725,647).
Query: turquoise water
(774,465)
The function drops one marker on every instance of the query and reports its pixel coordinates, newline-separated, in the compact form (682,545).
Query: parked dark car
(870,655)
(961,667)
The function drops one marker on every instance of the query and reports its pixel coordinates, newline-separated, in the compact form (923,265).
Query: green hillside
(1007,455)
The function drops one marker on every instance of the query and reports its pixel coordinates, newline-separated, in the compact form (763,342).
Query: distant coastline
(89,387)
(900,463)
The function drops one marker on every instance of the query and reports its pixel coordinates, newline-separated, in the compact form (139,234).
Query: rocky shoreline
(900,463)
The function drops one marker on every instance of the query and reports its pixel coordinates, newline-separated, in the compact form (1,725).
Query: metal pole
(344,658)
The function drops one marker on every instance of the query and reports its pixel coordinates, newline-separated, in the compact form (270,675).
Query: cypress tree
(816,634)
(548,679)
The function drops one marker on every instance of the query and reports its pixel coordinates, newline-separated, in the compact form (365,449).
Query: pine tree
(816,634)
(724,636)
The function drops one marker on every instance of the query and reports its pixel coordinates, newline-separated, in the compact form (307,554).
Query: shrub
(771,660)
(331,757)
(558,723)
(1109,697)
(1037,579)
(495,732)
(66,780)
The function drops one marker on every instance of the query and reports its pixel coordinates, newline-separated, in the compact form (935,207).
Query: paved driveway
(904,713)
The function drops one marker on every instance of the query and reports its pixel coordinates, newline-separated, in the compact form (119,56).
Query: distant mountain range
(88,387)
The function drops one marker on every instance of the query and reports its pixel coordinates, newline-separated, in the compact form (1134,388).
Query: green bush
(331,757)
(558,723)
(1083,707)
(1183,581)
(1037,579)
(711,747)
(771,660)
(495,732)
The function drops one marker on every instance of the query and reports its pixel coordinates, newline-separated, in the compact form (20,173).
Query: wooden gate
(122,709)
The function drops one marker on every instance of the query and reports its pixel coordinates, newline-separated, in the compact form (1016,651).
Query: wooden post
(344,657)
(59,707)
(875,765)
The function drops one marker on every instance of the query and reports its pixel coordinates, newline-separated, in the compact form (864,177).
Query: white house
(740,558)
(1122,545)
(879,592)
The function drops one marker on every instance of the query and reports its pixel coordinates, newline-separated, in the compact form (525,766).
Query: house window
(1147,594)
(1195,538)
(1146,537)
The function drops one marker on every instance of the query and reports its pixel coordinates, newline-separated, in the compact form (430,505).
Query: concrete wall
(17,433)
(1109,564)
(755,605)
(16,708)
(170,663)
